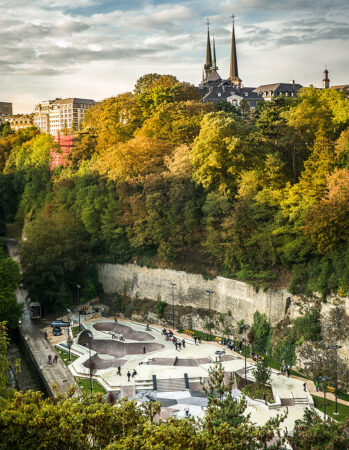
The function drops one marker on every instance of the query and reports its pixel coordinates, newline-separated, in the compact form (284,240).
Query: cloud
(45,41)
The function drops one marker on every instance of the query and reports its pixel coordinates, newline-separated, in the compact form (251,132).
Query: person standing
(199,340)
(180,345)
(195,338)
(288,370)
(305,387)
(183,343)
(128,375)
(49,359)
(56,358)
(176,344)
(119,371)
(144,351)
(265,398)
(317,386)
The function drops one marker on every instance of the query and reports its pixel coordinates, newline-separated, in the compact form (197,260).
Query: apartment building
(19,121)
(5,109)
(54,116)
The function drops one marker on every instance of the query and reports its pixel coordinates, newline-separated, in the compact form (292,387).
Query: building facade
(6,109)
(55,116)
(19,121)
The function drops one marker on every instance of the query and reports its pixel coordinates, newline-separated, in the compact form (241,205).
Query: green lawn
(343,410)
(65,356)
(84,384)
(75,331)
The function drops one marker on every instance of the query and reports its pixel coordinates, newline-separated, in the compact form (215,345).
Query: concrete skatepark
(166,373)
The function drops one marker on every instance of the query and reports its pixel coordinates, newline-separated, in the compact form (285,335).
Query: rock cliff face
(235,300)
(241,299)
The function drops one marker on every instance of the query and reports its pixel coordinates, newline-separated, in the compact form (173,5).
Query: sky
(99,48)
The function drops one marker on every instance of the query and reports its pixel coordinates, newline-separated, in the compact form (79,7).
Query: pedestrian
(317,386)
(195,338)
(113,335)
(186,410)
(180,345)
(288,371)
(265,398)
(134,373)
(144,351)
(305,387)
(46,335)
(119,371)
(176,344)
(183,343)
(56,357)
(128,375)
(240,345)
(115,320)
(49,359)
(199,340)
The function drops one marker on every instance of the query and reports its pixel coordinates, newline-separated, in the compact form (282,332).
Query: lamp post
(209,306)
(173,315)
(90,337)
(335,348)
(245,327)
(69,341)
(324,379)
(78,288)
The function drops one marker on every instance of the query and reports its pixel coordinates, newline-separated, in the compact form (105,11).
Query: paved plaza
(173,376)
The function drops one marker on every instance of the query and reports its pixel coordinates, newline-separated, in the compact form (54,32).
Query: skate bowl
(126,331)
(100,364)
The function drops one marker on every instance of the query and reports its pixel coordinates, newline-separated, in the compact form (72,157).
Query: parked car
(57,331)
(59,323)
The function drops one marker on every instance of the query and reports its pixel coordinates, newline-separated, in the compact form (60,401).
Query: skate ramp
(127,332)
(100,364)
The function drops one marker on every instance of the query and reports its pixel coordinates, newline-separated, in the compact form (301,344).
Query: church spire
(208,60)
(234,75)
(214,61)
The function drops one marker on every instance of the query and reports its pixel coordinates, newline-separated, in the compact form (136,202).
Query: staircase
(171,384)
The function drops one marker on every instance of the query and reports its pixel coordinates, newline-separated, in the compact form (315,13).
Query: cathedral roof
(278,87)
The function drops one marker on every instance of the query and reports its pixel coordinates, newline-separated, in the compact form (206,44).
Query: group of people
(230,343)
(51,360)
(129,375)
(121,337)
(256,357)
(169,336)
(285,370)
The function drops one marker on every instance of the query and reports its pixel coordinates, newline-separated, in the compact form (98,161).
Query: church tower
(326,81)
(234,75)
(208,59)
(210,73)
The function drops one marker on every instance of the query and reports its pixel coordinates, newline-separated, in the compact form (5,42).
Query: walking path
(55,376)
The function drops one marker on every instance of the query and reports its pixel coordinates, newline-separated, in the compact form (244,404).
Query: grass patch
(257,391)
(343,410)
(75,331)
(84,384)
(64,354)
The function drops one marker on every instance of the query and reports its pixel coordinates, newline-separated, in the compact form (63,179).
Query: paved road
(32,330)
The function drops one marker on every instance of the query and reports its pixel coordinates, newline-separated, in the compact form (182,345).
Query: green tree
(312,432)
(10,310)
(51,257)
(261,332)
(220,152)
(262,373)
